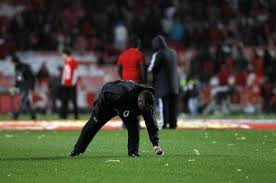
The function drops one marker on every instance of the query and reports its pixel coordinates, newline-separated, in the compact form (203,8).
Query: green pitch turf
(190,156)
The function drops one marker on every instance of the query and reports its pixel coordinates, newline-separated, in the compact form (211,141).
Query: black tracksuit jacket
(119,98)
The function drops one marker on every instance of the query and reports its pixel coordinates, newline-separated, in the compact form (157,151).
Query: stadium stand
(233,41)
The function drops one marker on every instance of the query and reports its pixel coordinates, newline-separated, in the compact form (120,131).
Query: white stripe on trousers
(161,123)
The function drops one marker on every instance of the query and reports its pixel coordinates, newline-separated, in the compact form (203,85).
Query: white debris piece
(197,153)
(9,136)
(113,161)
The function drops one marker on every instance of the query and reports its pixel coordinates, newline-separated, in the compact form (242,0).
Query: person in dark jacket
(128,100)
(163,67)
(25,83)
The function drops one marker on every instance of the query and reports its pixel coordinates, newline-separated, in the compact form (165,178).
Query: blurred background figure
(55,91)
(131,62)
(69,84)
(191,89)
(25,82)
(163,67)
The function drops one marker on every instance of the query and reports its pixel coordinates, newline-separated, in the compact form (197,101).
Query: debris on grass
(231,144)
(113,161)
(241,138)
(239,170)
(40,136)
(9,136)
(167,164)
(191,160)
(196,152)
(145,151)
(214,142)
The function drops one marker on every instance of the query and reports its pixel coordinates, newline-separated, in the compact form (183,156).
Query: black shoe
(134,155)
(74,154)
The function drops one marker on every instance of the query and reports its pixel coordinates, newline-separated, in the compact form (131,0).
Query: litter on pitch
(113,161)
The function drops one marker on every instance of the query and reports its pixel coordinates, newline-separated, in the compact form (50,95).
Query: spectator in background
(120,36)
(163,66)
(192,89)
(131,62)
(25,83)
(55,89)
(43,73)
(69,84)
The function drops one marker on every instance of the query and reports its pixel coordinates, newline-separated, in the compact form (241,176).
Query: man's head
(66,52)
(145,101)
(15,60)
(135,42)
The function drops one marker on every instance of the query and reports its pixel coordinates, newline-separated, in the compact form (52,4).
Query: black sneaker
(134,155)
(74,154)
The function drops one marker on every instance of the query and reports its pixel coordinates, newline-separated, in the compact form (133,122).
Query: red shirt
(130,61)
(69,76)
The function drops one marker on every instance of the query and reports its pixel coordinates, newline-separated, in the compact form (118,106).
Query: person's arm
(120,70)
(152,127)
(143,73)
(153,131)
(119,64)
(155,62)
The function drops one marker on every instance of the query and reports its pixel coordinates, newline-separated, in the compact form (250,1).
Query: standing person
(163,66)
(128,100)
(25,83)
(131,63)
(69,84)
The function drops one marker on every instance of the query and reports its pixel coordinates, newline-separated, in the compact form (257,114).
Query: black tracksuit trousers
(93,126)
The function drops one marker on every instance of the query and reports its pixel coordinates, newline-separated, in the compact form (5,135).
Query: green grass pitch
(190,156)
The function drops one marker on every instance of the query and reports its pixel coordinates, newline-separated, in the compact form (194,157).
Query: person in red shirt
(69,84)
(131,62)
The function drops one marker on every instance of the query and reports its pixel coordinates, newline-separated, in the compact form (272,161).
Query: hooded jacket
(163,66)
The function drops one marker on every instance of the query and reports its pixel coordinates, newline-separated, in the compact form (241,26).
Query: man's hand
(157,150)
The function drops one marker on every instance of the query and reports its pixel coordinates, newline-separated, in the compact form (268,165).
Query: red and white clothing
(130,61)
(70,74)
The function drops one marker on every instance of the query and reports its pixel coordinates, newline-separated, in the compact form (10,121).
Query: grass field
(190,156)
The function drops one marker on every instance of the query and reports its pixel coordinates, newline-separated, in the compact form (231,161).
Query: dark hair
(134,42)
(148,97)
(15,59)
(66,51)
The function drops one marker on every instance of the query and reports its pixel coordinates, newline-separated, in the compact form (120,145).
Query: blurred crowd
(218,33)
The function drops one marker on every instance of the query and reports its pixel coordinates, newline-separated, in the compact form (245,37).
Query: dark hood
(159,42)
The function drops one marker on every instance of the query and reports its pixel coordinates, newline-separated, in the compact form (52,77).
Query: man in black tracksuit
(128,100)
(24,82)
(163,66)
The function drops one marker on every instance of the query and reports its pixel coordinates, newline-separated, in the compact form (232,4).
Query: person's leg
(22,104)
(28,106)
(75,104)
(64,103)
(89,131)
(160,106)
(166,110)
(172,111)
(132,125)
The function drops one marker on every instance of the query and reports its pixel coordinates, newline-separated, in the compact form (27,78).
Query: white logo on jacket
(126,113)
